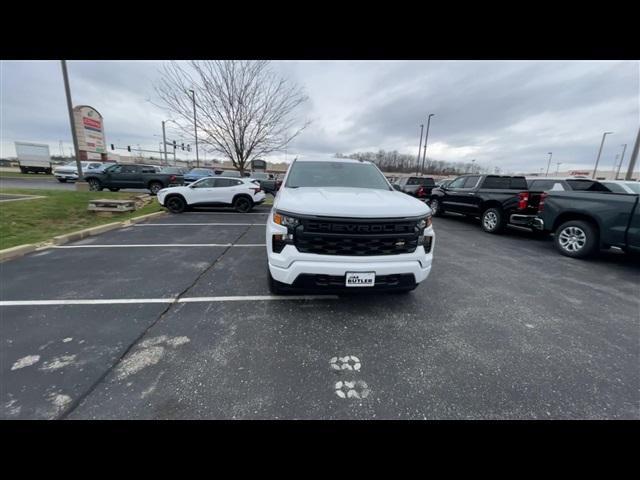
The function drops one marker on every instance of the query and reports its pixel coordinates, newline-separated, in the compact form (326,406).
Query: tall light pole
(164,142)
(473,166)
(426,138)
(595,169)
(195,125)
(634,157)
(419,148)
(548,163)
(71,120)
(558,167)
(624,149)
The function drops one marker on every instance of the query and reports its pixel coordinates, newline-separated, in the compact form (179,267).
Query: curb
(20,250)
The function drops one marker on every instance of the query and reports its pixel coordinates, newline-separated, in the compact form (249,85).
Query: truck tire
(436,207)
(94,185)
(492,220)
(576,239)
(242,204)
(175,204)
(155,187)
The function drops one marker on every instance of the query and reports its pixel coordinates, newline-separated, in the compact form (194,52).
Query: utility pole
(195,125)
(624,149)
(164,142)
(426,138)
(71,120)
(419,148)
(473,166)
(634,158)
(558,167)
(548,163)
(615,164)
(595,169)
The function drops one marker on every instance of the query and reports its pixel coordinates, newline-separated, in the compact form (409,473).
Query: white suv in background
(338,224)
(240,193)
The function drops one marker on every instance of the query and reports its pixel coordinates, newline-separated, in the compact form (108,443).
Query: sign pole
(71,120)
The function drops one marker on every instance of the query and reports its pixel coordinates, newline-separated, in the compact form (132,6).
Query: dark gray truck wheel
(492,220)
(576,239)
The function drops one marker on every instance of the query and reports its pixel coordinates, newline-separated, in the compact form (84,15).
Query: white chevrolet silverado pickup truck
(338,225)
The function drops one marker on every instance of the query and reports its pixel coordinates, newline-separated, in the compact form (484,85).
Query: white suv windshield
(336,174)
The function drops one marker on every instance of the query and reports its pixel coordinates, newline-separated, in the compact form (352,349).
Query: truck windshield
(336,174)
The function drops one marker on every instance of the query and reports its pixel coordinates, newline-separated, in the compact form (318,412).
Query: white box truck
(33,157)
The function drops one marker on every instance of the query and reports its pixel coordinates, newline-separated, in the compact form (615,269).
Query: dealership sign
(89,129)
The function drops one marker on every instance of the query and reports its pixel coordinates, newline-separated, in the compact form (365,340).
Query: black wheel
(62,180)
(111,189)
(492,220)
(155,187)
(94,185)
(243,204)
(436,207)
(576,239)
(176,204)
(275,287)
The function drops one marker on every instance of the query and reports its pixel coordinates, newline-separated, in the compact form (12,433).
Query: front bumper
(66,176)
(288,265)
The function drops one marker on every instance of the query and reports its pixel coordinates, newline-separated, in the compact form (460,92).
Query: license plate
(360,279)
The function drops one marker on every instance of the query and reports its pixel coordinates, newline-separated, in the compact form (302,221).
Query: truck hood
(349,202)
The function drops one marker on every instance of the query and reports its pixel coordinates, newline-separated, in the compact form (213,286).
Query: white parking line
(164,245)
(116,301)
(193,224)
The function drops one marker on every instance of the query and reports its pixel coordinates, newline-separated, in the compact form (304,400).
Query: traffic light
(129,147)
(112,148)
(174,144)
(183,147)
(188,148)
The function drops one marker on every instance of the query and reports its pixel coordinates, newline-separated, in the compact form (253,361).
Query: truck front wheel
(94,185)
(436,207)
(155,187)
(576,239)
(492,220)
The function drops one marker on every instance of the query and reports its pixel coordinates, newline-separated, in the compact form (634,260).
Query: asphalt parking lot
(172,319)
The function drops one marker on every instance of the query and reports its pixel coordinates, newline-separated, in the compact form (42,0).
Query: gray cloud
(506,114)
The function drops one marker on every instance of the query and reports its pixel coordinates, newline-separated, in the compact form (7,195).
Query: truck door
(460,196)
(633,234)
(130,176)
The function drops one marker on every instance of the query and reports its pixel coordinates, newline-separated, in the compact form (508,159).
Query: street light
(548,163)
(426,137)
(624,149)
(558,167)
(195,125)
(419,148)
(595,169)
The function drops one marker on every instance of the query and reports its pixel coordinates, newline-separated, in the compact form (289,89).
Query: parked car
(416,186)
(267,181)
(174,170)
(69,171)
(230,174)
(337,224)
(240,193)
(444,183)
(497,199)
(197,174)
(120,176)
(584,222)
(621,186)
(547,184)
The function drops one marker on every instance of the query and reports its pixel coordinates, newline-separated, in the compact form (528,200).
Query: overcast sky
(501,113)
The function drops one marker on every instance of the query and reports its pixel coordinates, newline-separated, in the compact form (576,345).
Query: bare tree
(244,111)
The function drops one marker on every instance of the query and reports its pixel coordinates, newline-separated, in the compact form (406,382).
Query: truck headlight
(285,220)
(424,222)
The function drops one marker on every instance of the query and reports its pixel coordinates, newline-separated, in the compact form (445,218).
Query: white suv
(240,193)
(338,224)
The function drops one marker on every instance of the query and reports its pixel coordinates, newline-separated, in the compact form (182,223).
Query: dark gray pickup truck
(123,175)
(584,222)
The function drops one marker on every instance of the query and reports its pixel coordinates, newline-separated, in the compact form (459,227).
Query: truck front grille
(356,238)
